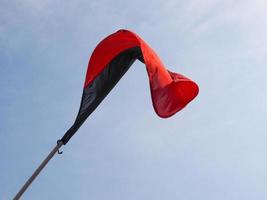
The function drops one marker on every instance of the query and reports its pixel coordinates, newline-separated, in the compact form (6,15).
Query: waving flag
(111,59)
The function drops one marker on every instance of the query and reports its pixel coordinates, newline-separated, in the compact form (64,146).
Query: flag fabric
(111,59)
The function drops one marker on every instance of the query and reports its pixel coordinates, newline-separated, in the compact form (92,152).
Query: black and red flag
(111,59)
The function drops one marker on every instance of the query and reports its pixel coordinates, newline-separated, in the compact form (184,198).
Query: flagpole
(39,169)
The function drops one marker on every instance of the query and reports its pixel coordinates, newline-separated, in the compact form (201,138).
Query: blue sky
(213,149)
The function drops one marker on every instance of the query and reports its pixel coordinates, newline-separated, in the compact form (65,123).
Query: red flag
(111,59)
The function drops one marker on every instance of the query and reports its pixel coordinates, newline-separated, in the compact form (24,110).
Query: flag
(111,59)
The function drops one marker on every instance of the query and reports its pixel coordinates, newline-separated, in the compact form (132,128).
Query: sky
(215,148)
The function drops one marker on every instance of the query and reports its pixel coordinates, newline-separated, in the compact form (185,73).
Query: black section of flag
(95,92)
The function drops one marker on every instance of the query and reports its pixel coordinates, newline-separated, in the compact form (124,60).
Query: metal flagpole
(39,169)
